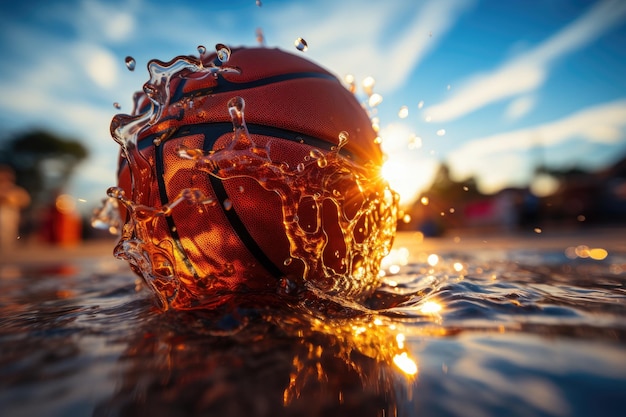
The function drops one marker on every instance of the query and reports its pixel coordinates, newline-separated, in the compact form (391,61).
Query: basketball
(296,206)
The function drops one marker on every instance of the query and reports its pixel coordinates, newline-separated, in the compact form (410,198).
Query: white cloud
(350,38)
(520,107)
(604,123)
(101,66)
(528,71)
(101,21)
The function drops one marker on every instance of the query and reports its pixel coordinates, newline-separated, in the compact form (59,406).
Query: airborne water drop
(223,52)
(301,44)
(130,63)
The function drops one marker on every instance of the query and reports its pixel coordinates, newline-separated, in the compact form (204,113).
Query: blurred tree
(43,162)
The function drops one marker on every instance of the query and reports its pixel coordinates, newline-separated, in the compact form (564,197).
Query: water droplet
(286,285)
(223,52)
(117,105)
(130,63)
(187,153)
(343,139)
(228,204)
(368,85)
(403,112)
(115,192)
(301,44)
(201,50)
(235,109)
(465,188)
(287,261)
(300,167)
(378,140)
(260,37)
(229,269)
(241,189)
(374,100)
(441,132)
(420,104)
(415,142)
(349,79)
(258,3)
(193,196)
(322,162)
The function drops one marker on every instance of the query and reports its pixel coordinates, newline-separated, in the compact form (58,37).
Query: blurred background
(495,116)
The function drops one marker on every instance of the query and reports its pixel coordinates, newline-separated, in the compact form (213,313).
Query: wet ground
(526,324)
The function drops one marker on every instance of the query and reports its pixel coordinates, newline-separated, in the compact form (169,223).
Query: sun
(408,172)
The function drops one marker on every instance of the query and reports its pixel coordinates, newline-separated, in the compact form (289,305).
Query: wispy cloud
(367,41)
(528,71)
(603,123)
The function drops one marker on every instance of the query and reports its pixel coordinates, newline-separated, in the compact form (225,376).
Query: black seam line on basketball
(171,224)
(253,128)
(221,128)
(225,86)
(233,218)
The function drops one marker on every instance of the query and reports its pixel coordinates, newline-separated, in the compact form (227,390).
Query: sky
(492,88)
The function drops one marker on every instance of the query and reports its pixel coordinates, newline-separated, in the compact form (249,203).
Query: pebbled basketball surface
(239,243)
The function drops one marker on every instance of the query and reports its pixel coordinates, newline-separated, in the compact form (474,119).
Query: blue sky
(492,87)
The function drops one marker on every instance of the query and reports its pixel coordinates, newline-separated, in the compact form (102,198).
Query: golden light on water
(433,259)
(400,338)
(405,364)
(431,307)
(598,254)
(584,251)
(394,261)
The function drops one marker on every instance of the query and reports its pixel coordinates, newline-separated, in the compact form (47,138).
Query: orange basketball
(288,210)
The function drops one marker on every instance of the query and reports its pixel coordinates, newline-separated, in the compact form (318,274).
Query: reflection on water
(181,363)
(519,332)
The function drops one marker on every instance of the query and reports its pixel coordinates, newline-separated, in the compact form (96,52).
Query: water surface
(516,326)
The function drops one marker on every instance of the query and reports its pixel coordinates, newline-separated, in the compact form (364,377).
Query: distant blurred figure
(12,200)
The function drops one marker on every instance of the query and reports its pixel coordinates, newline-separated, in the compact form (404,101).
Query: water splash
(363,208)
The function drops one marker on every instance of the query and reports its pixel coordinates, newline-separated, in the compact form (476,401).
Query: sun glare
(407,173)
